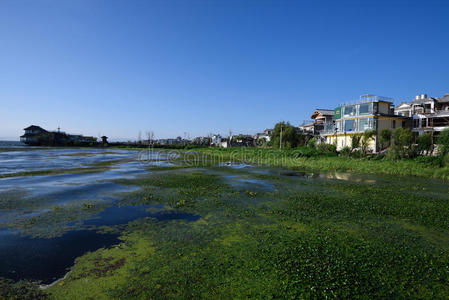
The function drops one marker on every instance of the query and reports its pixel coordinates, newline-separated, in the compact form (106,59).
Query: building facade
(371,112)
(429,114)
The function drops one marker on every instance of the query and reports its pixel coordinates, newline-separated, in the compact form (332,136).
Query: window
(365,109)
(394,124)
(349,110)
(403,124)
(365,124)
(338,126)
(350,125)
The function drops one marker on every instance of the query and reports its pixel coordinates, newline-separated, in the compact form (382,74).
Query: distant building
(429,114)
(33,134)
(216,140)
(37,136)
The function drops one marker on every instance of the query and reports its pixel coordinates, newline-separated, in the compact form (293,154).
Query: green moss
(333,239)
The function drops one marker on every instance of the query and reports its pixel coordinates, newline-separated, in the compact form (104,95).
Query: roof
(34,127)
(444,99)
(403,103)
(324,112)
(419,101)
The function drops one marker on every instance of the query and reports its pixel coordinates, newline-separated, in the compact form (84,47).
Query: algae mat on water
(302,239)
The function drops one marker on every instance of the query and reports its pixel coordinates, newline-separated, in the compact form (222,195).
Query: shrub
(366,137)
(346,151)
(385,138)
(355,141)
(327,148)
(424,142)
(443,141)
(403,140)
(311,143)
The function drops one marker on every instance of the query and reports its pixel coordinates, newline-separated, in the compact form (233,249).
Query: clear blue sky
(117,67)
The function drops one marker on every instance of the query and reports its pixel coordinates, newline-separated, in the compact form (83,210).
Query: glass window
(350,125)
(365,124)
(394,124)
(365,108)
(349,110)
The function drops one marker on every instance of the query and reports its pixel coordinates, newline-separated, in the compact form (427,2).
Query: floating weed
(336,239)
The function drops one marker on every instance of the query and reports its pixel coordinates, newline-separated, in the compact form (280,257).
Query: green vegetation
(290,138)
(385,138)
(443,141)
(316,159)
(303,239)
(22,290)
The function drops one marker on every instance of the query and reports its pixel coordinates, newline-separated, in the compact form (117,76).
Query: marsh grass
(297,159)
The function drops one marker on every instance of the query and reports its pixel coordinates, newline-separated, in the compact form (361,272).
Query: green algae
(358,240)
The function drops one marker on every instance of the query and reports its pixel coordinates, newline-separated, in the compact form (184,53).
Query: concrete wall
(384,108)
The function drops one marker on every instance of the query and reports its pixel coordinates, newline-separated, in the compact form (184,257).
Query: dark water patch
(119,215)
(46,259)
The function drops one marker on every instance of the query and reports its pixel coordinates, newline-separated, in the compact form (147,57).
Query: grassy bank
(300,239)
(307,159)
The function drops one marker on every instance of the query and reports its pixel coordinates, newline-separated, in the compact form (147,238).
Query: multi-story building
(371,112)
(429,114)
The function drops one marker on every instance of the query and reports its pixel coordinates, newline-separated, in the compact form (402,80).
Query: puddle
(234,165)
(46,259)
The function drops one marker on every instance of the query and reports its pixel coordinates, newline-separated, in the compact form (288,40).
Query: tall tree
(289,137)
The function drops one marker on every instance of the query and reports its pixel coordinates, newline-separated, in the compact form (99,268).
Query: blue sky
(116,67)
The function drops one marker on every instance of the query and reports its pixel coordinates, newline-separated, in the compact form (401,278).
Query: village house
(263,137)
(32,135)
(429,114)
(371,112)
(37,136)
(316,126)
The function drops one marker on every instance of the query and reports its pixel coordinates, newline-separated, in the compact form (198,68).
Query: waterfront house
(429,114)
(33,134)
(317,124)
(37,136)
(370,112)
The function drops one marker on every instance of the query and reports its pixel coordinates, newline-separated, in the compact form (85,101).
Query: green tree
(289,135)
(385,138)
(424,142)
(403,140)
(367,136)
(443,142)
(355,141)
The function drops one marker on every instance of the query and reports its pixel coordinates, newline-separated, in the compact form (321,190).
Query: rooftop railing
(367,99)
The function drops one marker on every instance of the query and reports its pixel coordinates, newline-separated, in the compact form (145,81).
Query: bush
(434,161)
(385,138)
(355,141)
(403,141)
(346,151)
(424,142)
(327,148)
(443,141)
(311,143)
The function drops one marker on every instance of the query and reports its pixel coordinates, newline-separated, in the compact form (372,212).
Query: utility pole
(280,140)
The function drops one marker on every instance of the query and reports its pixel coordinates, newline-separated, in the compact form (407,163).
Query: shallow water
(46,259)
(90,201)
